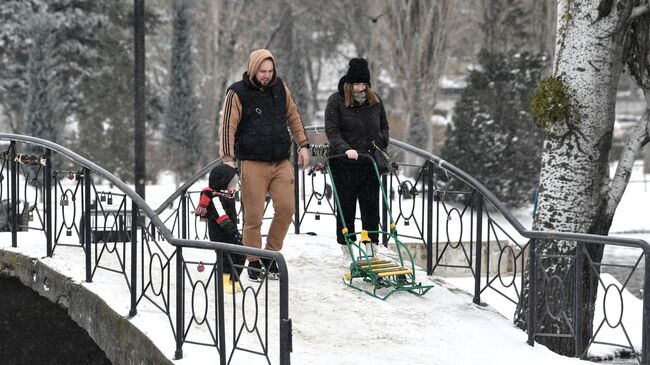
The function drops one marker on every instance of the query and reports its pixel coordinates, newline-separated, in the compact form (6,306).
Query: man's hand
(303,157)
(352,154)
(228,160)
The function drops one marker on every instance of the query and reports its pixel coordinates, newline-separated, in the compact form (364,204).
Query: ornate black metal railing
(84,211)
(467,230)
(464,230)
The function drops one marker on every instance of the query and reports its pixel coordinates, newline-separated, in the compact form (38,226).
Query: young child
(221,219)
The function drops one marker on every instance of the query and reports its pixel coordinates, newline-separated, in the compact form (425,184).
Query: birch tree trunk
(574,178)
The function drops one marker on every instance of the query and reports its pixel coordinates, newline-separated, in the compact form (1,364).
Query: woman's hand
(352,154)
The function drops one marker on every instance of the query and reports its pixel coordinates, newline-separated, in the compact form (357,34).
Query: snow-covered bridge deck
(334,324)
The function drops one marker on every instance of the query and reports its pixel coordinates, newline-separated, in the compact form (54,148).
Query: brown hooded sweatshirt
(232,107)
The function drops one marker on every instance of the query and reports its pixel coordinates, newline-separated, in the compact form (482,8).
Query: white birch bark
(574,175)
(574,179)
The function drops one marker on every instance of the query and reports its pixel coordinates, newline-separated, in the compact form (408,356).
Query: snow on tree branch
(640,137)
(639,11)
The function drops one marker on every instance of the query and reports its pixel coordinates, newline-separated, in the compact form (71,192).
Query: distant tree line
(66,67)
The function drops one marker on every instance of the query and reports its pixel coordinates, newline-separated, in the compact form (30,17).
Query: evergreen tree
(15,16)
(71,59)
(182,133)
(41,95)
(493,136)
(89,51)
(118,133)
(108,123)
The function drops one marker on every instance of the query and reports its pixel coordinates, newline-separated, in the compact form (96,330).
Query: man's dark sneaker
(274,271)
(272,267)
(255,271)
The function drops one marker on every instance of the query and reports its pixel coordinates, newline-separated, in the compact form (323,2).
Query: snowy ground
(334,324)
(628,222)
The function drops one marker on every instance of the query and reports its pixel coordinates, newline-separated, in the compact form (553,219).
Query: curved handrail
(501,208)
(150,213)
(186,185)
(471,181)
(178,243)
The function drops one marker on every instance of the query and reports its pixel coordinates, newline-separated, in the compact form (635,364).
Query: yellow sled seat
(373,263)
(383,268)
(399,271)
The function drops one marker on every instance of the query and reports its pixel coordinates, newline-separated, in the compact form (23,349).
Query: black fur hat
(358,71)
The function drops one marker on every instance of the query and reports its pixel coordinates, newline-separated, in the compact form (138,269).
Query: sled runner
(385,275)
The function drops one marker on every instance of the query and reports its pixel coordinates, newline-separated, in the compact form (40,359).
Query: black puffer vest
(262,133)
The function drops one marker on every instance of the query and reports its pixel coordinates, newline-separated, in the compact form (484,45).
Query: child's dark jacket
(220,176)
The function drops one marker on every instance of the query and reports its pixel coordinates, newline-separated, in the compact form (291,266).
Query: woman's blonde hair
(348,93)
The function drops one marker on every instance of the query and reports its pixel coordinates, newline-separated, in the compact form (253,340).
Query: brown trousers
(257,178)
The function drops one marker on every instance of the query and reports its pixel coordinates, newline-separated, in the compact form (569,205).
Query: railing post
(153,231)
(14,204)
(645,351)
(86,217)
(134,257)
(296,189)
(578,298)
(180,281)
(221,321)
(478,198)
(286,326)
(531,292)
(180,304)
(429,218)
(384,212)
(55,209)
(286,330)
(47,193)
(438,198)
(184,215)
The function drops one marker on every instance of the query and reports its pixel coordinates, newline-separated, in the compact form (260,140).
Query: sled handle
(364,156)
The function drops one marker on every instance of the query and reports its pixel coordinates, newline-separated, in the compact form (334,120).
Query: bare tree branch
(639,11)
(639,138)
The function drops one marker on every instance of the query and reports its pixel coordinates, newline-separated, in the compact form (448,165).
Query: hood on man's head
(255,60)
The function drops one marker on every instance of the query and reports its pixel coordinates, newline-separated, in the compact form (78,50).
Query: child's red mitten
(204,201)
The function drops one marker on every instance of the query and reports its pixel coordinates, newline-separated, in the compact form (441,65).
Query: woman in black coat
(355,123)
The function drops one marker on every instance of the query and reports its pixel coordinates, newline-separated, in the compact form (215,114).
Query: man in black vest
(257,116)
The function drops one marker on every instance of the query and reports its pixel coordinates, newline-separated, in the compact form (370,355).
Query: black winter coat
(355,127)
